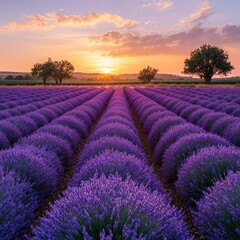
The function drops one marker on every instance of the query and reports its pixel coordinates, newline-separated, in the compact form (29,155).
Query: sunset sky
(115,36)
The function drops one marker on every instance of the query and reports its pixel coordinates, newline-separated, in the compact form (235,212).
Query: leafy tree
(44,70)
(147,74)
(63,69)
(19,77)
(207,61)
(9,77)
(58,70)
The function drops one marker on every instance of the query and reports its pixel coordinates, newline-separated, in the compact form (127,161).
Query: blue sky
(119,35)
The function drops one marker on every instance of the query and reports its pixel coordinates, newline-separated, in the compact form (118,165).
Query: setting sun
(106,70)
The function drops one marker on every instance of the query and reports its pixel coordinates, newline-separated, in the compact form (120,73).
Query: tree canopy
(147,74)
(208,61)
(58,70)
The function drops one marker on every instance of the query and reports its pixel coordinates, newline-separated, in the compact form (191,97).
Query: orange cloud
(91,19)
(32,22)
(202,14)
(160,4)
(51,20)
(119,44)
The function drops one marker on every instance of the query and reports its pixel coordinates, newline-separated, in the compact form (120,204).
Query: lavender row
(114,194)
(30,171)
(195,160)
(37,103)
(232,109)
(18,97)
(226,94)
(15,128)
(218,123)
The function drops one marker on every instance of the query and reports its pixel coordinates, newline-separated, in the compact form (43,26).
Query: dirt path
(170,188)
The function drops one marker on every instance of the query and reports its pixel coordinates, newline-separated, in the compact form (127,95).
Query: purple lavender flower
(72,122)
(30,168)
(113,208)
(96,147)
(232,133)
(160,127)
(209,119)
(64,132)
(154,117)
(18,202)
(202,169)
(218,212)
(38,118)
(24,124)
(50,143)
(10,131)
(4,142)
(219,126)
(125,165)
(171,136)
(116,129)
(116,119)
(196,115)
(184,147)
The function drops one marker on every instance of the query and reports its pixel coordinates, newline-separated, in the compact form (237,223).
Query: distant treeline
(17,77)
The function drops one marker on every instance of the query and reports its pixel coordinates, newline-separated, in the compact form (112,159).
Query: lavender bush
(160,127)
(218,212)
(109,208)
(201,170)
(171,136)
(96,147)
(184,147)
(49,142)
(18,202)
(116,129)
(10,131)
(125,165)
(30,168)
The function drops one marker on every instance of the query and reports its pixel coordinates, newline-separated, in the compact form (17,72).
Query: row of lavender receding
(14,128)
(114,194)
(204,166)
(30,171)
(214,121)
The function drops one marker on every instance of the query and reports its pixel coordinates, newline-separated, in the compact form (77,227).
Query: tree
(147,74)
(58,70)
(208,61)
(63,69)
(9,77)
(44,70)
(19,77)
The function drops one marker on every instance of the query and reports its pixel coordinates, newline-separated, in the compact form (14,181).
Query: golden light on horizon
(106,70)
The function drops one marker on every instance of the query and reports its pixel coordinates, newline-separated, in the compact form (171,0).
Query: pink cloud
(131,44)
(200,15)
(91,19)
(51,20)
(32,22)
(160,4)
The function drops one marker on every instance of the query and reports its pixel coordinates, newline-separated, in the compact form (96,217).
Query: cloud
(31,22)
(119,44)
(53,19)
(92,19)
(160,4)
(200,15)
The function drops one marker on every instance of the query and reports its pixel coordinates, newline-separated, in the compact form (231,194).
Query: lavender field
(119,163)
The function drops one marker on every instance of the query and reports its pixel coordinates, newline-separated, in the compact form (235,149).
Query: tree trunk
(56,80)
(44,81)
(60,81)
(208,80)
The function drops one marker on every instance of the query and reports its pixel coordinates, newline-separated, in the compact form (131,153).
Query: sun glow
(106,70)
